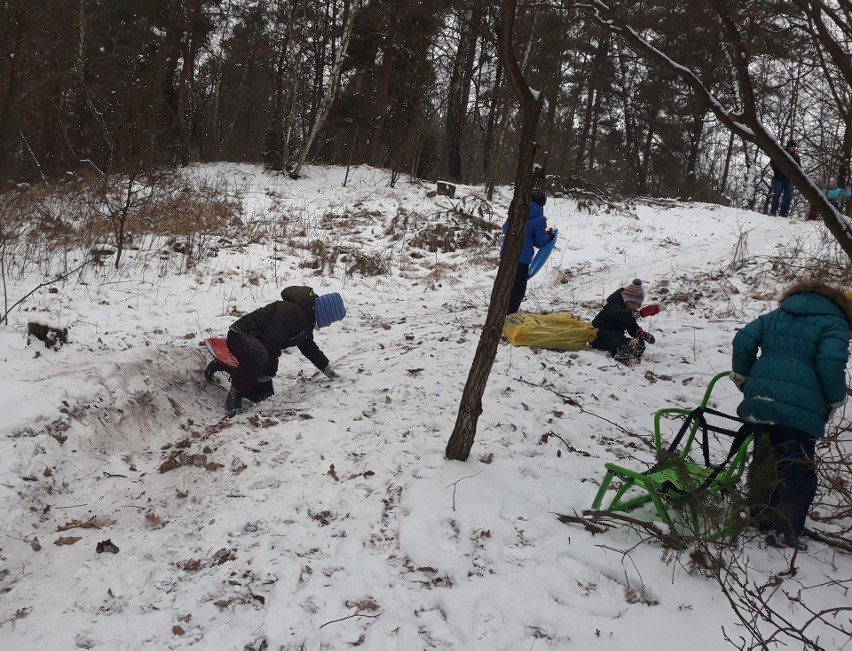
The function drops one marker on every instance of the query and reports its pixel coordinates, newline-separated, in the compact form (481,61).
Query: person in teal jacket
(789,393)
(836,194)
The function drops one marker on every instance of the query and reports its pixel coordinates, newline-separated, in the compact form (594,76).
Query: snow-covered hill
(328,517)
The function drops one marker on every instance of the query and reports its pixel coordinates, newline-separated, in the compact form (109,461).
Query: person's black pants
(610,340)
(253,358)
(782,479)
(520,288)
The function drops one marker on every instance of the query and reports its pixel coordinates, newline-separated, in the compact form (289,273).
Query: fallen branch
(349,617)
(588,524)
(828,539)
(456,482)
(5,316)
(573,403)
(670,540)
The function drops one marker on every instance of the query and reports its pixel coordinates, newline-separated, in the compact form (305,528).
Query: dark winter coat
(616,316)
(778,174)
(801,370)
(535,235)
(285,323)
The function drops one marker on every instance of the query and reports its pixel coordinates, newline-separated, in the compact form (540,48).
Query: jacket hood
(535,211)
(304,297)
(816,298)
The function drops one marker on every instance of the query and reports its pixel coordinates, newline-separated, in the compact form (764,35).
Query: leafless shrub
(832,506)
(365,264)
(325,255)
(455,233)
(819,257)
(403,223)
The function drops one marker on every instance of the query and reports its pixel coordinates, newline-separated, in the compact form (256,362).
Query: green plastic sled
(677,475)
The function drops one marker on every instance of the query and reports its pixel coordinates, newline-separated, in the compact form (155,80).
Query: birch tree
(329,95)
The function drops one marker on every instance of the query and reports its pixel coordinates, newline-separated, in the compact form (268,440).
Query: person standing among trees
(535,237)
(782,187)
(789,394)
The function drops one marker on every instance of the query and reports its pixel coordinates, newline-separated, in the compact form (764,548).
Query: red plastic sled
(219,349)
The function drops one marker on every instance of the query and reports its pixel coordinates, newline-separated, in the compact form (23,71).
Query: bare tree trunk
(470,408)
(631,132)
(493,134)
(276,145)
(592,99)
(694,147)
(380,107)
(488,137)
(724,184)
(460,88)
(497,154)
(331,94)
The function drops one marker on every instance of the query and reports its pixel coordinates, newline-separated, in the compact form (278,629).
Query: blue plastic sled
(542,255)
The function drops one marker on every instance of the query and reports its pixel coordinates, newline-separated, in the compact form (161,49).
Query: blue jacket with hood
(536,233)
(801,370)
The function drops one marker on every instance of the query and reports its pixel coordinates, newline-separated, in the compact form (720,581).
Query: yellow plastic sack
(556,331)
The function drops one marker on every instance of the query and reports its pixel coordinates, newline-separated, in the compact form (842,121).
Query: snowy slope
(328,517)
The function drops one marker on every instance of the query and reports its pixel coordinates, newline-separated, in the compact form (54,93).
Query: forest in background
(124,86)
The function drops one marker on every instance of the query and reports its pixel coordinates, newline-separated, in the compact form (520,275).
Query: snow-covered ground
(328,517)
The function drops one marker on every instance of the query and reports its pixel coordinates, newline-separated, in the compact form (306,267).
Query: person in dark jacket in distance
(789,393)
(535,237)
(619,316)
(781,185)
(257,339)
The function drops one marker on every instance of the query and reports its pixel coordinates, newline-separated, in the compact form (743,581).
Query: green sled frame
(676,476)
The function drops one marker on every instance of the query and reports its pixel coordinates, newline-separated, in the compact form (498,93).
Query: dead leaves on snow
(180,459)
(93,523)
(222,556)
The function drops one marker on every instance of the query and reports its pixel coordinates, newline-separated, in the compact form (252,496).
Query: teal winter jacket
(801,369)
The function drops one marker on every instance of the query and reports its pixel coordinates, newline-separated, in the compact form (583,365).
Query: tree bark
(694,147)
(457,96)
(470,407)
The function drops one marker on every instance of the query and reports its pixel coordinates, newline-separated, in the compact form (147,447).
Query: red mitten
(650,310)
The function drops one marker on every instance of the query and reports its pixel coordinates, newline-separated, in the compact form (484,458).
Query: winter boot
(234,401)
(214,367)
(630,353)
(788,540)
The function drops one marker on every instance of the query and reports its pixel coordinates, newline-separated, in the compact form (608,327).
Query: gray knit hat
(633,292)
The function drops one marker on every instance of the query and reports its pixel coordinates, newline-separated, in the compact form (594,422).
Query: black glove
(645,336)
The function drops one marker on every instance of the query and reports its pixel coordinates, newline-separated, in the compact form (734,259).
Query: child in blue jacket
(789,394)
(536,236)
